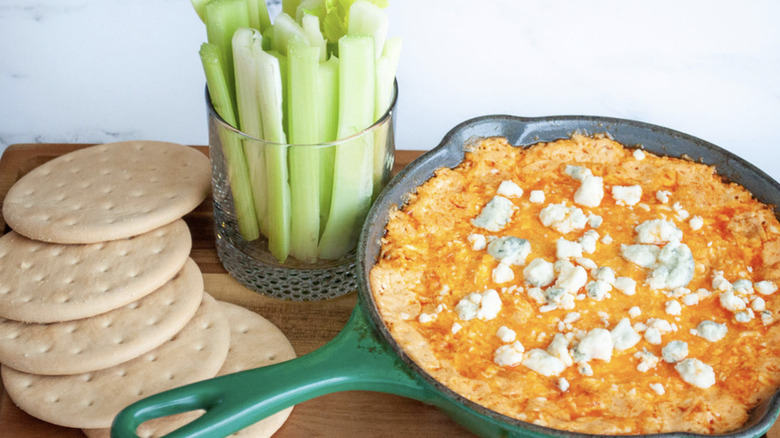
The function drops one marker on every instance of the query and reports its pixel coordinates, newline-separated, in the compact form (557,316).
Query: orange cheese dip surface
(589,287)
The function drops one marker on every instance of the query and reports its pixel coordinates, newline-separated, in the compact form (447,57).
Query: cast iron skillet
(364,356)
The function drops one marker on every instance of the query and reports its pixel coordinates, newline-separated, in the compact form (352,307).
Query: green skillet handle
(356,359)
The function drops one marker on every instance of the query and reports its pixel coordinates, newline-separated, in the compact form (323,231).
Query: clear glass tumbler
(287,217)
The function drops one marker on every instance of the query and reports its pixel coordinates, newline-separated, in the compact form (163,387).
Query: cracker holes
(85,185)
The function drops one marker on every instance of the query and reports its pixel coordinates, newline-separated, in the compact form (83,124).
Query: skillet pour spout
(364,356)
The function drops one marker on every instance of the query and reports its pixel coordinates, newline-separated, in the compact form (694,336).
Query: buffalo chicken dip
(589,287)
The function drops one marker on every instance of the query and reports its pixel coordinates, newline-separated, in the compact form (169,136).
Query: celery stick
(368,19)
(311,28)
(386,67)
(270,91)
(223,18)
(352,184)
(303,65)
(328,101)
(247,44)
(238,172)
(289,7)
(310,7)
(258,14)
(200,8)
(286,29)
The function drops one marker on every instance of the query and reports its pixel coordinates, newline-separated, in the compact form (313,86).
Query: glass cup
(287,217)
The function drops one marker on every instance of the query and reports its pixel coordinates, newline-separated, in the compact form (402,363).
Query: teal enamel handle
(356,359)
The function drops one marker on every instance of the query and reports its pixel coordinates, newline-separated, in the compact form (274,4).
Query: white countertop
(108,70)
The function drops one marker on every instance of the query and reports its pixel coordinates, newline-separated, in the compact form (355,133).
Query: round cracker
(109,191)
(92,400)
(254,342)
(47,282)
(107,339)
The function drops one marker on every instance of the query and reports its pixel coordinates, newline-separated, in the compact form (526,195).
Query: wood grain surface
(307,325)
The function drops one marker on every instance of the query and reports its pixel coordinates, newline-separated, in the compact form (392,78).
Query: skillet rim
(451,149)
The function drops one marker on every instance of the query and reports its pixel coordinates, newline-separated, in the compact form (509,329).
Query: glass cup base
(264,275)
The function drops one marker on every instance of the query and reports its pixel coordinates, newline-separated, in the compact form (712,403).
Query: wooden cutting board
(307,325)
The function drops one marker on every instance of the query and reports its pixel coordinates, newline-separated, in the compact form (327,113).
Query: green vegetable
(353,180)
(322,70)
(303,68)
(271,90)
(247,44)
(238,171)
(223,18)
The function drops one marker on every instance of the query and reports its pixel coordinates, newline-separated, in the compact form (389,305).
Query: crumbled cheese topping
(565,249)
(658,231)
(597,344)
(509,249)
(675,351)
(591,191)
(663,196)
(485,305)
(536,197)
(765,287)
(624,336)
(577,172)
(627,195)
(696,373)
(509,355)
(696,223)
(503,273)
(496,214)
(588,241)
(658,388)
(638,154)
(711,331)
(562,218)
(509,189)
(559,348)
(647,360)
(477,241)
(539,273)
(506,334)
(543,362)
(627,285)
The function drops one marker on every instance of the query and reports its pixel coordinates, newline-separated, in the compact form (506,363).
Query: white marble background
(106,70)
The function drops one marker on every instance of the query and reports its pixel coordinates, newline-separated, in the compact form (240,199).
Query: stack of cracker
(100,302)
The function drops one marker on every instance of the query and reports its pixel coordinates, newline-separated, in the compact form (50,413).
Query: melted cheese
(649,286)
